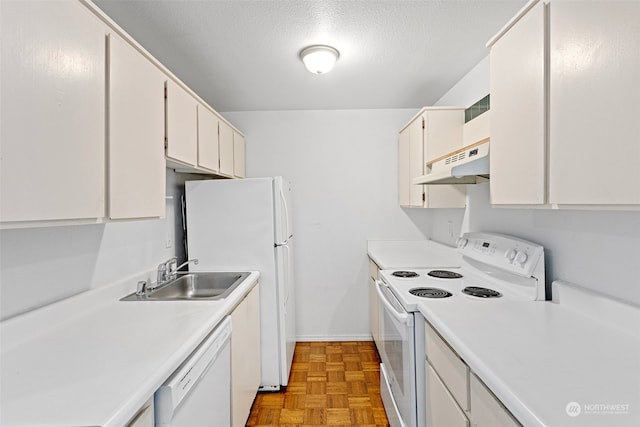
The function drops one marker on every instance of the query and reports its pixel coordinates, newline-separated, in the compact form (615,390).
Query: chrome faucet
(168,270)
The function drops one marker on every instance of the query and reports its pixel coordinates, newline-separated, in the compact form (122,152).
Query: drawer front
(453,371)
(373,270)
(442,409)
(486,409)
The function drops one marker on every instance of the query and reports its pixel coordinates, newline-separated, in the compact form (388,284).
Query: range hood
(468,165)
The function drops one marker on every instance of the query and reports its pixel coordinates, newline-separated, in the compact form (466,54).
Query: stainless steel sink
(194,286)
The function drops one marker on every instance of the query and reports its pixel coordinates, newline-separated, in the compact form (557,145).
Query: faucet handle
(141,288)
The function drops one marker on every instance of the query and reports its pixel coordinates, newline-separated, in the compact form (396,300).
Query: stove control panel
(505,252)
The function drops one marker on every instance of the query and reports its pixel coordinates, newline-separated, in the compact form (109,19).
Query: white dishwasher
(198,393)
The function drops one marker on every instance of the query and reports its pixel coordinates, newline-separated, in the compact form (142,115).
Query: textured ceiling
(242,55)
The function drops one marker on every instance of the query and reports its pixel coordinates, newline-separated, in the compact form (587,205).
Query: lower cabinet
(374,303)
(443,410)
(455,396)
(487,409)
(144,417)
(245,356)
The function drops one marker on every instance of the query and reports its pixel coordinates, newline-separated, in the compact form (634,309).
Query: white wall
(343,169)
(41,265)
(599,250)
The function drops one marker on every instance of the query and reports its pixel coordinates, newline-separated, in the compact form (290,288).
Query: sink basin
(194,286)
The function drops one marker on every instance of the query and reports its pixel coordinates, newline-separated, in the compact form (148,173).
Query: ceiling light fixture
(319,59)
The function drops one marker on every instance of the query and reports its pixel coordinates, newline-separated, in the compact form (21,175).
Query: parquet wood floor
(331,383)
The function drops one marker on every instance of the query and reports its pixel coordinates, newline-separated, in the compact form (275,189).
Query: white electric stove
(495,269)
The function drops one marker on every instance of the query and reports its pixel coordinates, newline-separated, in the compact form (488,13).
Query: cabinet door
(594,131)
(181,125)
(486,410)
(52,134)
(442,410)
(208,157)
(245,356)
(374,303)
(226,149)
(144,417)
(518,126)
(404,173)
(416,163)
(136,134)
(238,155)
(442,135)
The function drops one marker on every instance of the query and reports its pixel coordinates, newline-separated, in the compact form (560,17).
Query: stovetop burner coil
(430,293)
(444,274)
(404,274)
(481,292)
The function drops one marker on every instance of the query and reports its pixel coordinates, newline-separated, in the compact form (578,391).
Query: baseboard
(316,338)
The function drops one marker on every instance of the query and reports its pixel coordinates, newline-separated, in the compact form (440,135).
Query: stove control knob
(510,254)
(521,258)
(462,242)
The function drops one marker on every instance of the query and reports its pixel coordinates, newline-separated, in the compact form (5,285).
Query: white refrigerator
(246,224)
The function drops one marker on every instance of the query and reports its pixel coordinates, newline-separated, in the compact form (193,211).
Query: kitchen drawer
(486,410)
(453,371)
(373,269)
(442,409)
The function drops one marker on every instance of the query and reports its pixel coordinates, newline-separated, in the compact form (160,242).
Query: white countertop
(537,357)
(408,254)
(93,360)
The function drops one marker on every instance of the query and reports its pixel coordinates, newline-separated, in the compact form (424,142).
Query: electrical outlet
(450,228)
(169,242)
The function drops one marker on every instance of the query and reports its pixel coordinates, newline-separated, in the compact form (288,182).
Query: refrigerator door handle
(283,200)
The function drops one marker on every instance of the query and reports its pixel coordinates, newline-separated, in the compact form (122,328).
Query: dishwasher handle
(402,317)
(177,387)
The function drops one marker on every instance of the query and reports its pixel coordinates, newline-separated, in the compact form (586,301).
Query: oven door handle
(400,317)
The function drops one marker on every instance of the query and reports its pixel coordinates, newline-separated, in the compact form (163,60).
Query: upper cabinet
(136,134)
(208,156)
(564,128)
(83,120)
(238,155)
(52,140)
(433,132)
(181,123)
(226,149)
(594,129)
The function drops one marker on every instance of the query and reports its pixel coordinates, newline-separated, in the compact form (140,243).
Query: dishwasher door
(198,393)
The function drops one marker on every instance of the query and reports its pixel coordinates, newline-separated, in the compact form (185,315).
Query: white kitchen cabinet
(238,155)
(442,409)
(52,131)
(245,356)
(433,132)
(564,126)
(486,410)
(454,394)
(453,371)
(208,146)
(144,417)
(518,97)
(136,174)
(594,129)
(374,303)
(226,149)
(404,174)
(181,125)
(417,193)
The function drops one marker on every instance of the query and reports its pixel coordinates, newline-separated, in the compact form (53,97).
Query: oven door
(398,359)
